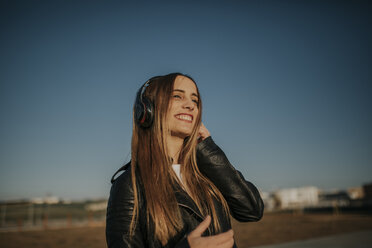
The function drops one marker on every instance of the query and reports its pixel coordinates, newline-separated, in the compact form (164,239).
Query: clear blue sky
(286,87)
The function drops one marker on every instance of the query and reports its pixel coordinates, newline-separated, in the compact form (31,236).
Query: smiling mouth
(182,117)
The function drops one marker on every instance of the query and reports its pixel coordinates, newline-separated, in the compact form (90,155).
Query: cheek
(170,112)
(197,116)
(172,108)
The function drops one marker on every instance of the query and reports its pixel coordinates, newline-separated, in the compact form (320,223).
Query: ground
(272,229)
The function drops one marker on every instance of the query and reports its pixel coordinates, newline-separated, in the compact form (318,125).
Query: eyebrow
(193,94)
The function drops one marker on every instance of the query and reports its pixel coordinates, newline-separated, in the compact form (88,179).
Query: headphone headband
(143,88)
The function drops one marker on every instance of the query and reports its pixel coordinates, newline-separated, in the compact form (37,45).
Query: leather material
(242,197)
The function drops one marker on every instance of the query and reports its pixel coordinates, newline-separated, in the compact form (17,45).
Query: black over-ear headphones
(143,108)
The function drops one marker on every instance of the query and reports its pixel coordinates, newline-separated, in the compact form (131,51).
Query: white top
(177,170)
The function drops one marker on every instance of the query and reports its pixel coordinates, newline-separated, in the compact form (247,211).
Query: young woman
(179,188)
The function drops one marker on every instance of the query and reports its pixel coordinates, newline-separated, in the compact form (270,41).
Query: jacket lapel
(185,201)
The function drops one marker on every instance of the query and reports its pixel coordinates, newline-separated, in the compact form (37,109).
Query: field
(272,229)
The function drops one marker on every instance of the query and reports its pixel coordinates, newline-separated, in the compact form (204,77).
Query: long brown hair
(152,163)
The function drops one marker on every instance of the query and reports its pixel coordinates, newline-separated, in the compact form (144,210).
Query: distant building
(297,197)
(367,189)
(96,206)
(356,193)
(45,200)
(269,201)
(338,198)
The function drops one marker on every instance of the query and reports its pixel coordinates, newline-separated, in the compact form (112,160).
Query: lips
(184,117)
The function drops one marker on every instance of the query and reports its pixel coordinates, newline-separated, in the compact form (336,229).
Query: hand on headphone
(203,132)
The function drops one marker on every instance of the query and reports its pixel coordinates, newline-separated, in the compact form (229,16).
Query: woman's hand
(222,240)
(203,132)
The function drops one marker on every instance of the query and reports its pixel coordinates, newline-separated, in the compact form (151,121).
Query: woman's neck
(174,145)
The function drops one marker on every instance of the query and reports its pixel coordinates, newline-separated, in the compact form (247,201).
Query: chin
(182,134)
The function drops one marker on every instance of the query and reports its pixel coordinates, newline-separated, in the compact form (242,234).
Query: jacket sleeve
(243,198)
(119,215)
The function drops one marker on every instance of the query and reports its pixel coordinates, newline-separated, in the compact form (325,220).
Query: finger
(200,131)
(198,231)
(203,132)
(221,238)
(202,127)
(227,244)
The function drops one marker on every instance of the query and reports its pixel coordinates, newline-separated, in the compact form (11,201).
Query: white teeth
(184,117)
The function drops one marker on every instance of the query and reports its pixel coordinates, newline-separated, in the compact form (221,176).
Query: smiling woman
(179,188)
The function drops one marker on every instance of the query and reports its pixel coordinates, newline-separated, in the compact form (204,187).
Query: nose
(188,104)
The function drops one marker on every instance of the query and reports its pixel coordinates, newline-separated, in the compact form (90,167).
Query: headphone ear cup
(138,112)
(148,113)
(143,108)
(143,111)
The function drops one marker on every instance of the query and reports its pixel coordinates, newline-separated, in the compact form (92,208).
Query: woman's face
(183,107)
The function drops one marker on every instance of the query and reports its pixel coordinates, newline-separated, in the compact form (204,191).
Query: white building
(297,197)
(269,201)
(45,200)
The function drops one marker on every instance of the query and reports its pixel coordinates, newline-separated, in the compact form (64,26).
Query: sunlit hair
(151,164)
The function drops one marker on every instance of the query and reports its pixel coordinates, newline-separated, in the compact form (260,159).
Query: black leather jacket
(242,197)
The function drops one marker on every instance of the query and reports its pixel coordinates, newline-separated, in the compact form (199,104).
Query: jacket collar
(186,202)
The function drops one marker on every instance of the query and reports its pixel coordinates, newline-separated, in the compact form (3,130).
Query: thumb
(198,231)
